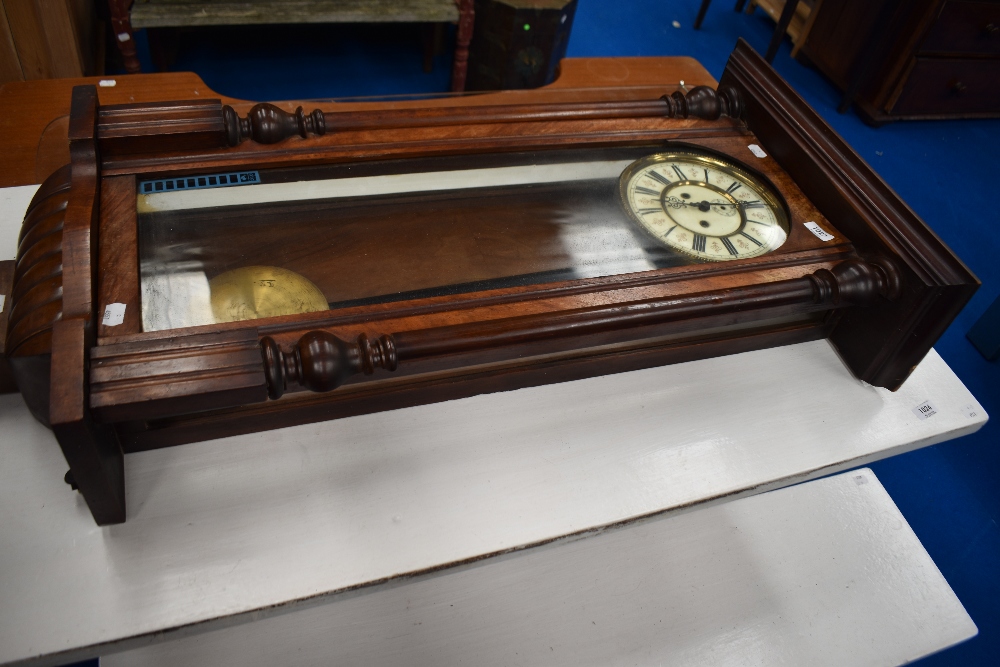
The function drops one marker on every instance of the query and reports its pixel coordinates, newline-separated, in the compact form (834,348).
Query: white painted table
(322,518)
(824,573)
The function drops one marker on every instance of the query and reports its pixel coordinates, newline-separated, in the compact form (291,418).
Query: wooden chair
(779,32)
(129,15)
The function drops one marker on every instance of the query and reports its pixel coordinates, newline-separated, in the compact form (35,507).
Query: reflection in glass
(394,231)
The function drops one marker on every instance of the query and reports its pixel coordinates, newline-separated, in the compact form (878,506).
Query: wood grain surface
(37,111)
(10,65)
(882,294)
(37,285)
(496,337)
(119,247)
(91,449)
(882,346)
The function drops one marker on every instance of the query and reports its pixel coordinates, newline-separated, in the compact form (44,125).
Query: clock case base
(881,299)
(369,397)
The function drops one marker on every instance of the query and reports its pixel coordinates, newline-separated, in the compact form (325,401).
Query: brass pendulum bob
(253,292)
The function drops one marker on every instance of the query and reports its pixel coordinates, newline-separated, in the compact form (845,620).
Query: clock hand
(703,204)
(740,204)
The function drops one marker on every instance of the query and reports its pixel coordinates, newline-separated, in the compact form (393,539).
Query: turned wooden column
(121,26)
(466,22)
(321,361)
(268,124)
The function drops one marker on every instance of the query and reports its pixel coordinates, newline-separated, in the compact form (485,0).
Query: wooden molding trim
(143,380)
(80,228)
(92,450)
(36,295)
(358,398)
(130,131)
(268,124)
(165,377)
(321,361)
(880,348)
(126,129)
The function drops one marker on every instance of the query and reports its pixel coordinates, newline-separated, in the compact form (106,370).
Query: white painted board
(823,573)
(227,531)
(13,203)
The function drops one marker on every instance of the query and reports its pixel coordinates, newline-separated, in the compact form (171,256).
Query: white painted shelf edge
(823,573)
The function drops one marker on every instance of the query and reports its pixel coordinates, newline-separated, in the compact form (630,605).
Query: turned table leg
(466,20)
(121,24)
(701,14)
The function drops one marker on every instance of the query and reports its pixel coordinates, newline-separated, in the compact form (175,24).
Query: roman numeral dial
(703,206)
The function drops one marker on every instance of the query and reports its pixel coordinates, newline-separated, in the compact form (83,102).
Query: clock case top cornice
(937,285)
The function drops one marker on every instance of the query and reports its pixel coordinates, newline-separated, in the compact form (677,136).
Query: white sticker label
(123,37)
(3,299)
(925,410)
(114,314)
(107,83)
(757,150)
(820,233)
(971,411)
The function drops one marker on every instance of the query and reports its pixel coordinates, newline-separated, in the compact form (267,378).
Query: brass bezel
(759,184)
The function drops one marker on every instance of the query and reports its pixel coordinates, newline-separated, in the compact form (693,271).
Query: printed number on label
(818,231)
(925,410)
(114,314)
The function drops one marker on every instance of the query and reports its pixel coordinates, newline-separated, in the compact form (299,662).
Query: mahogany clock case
(441,291)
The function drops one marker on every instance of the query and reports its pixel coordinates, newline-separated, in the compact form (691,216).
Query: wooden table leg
(121,24)
(779,32)
(701,13)
(466,21)
(427,42)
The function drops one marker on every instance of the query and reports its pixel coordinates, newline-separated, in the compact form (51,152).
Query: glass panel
(598,93)
(248,244)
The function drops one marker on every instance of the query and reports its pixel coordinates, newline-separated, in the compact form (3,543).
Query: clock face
(703,206)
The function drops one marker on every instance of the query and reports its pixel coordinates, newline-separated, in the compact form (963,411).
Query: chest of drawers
(915,59)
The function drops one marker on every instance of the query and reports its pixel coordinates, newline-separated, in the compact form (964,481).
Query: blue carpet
(945,170)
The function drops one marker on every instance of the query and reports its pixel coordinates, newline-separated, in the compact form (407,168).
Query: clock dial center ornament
(703,206)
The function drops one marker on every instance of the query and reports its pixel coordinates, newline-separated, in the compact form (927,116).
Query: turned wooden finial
(321,361)
(705,103)
(857,282)
(267,124)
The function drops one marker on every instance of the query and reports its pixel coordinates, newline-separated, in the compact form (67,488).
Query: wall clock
(194,274)
(704,206)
